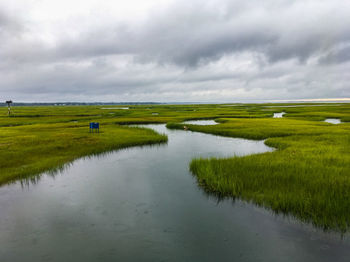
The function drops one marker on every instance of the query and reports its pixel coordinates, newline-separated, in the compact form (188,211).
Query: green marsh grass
(307,176)
(32,149)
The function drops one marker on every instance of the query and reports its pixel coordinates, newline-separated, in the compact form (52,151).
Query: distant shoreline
(304,101)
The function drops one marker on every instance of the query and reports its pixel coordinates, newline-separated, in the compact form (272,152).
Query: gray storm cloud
(185,51)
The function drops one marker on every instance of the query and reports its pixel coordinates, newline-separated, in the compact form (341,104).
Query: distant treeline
(80,103)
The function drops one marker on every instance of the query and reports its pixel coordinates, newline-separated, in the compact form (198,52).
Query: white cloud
(173,50)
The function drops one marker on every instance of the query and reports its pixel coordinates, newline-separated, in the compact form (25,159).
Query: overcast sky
(162,50)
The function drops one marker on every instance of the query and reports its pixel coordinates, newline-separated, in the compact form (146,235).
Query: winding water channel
(142,204)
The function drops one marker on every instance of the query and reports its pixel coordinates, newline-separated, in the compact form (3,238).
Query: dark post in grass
(94,125)
(9,102)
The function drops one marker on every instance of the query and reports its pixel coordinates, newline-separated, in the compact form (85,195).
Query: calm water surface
(333,121)
(278,115)
(115,108)
(142,204)
(201,122)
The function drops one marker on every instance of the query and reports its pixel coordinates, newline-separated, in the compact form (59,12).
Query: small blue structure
(94,125)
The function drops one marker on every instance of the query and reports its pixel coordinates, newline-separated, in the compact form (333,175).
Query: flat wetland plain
(307,176)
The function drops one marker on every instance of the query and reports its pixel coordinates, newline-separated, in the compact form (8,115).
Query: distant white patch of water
(114,108)
(333,121)
(201,122)
(278,115)
(305,105)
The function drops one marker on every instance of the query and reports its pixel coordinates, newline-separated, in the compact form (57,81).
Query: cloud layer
(212,51)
